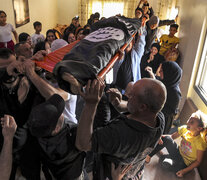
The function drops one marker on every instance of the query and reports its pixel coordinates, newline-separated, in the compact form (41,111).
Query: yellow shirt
(167,42)
(189,145)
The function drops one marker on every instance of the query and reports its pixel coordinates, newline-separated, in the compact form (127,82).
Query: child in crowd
(189,154)
(169,41)
(25,37)
(6,31)
(37,37)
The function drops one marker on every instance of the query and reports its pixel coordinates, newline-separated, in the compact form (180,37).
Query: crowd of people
(69,124)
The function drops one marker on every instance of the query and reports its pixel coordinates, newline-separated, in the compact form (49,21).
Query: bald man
(127,139)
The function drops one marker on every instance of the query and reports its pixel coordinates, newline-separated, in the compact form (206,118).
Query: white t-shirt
(37,38)
(70,106)
(6,32)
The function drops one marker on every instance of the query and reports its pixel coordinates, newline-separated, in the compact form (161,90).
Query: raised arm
(92,96)
(8,129)
(141,2)
(166,22)
(45,89)
(175,135)
(115,98)
(149,70)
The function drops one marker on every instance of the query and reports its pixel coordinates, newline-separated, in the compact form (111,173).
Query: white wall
(44,11)
(192,15)
(67,9)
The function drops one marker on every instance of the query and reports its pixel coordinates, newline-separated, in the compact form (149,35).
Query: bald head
(150,92)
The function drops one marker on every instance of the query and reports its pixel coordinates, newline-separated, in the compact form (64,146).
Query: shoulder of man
(161,119)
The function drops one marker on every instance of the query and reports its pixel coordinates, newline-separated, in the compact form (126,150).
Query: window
(108,9)
(201,80)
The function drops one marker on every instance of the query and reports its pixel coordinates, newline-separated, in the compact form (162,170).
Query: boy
(37,37)
(169,41)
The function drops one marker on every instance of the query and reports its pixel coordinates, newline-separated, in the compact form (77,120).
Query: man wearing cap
(73,26)
(56,139)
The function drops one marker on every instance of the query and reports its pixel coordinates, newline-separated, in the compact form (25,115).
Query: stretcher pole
(113,60)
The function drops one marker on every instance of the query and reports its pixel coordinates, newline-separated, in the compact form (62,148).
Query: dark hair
(86,32)
(87,25)
(102,18)
(3,12)
(65,37)
(90,20)
(97,15)
(200,122)
(23,37)
(200,119)
(39,46)
(5,53)
(77,31)
(50,31)
(37,23)
(140,9)
(176,26)
(157,45)
(91,16)
(146,4)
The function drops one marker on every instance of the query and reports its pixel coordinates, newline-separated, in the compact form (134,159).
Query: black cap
(44,117)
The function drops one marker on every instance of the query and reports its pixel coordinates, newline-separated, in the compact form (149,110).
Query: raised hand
(115,96)
(39,55)
(29,66)
(93,91)
(15,68)
(8,127)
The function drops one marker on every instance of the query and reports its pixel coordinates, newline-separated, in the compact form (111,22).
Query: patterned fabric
(92,54)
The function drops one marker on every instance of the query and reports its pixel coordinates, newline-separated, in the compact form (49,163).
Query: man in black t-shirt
(56,139)
(128,138)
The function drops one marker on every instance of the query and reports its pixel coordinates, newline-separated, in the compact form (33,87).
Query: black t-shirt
(124,75)
(125,141)
(61,156)
(9,104)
